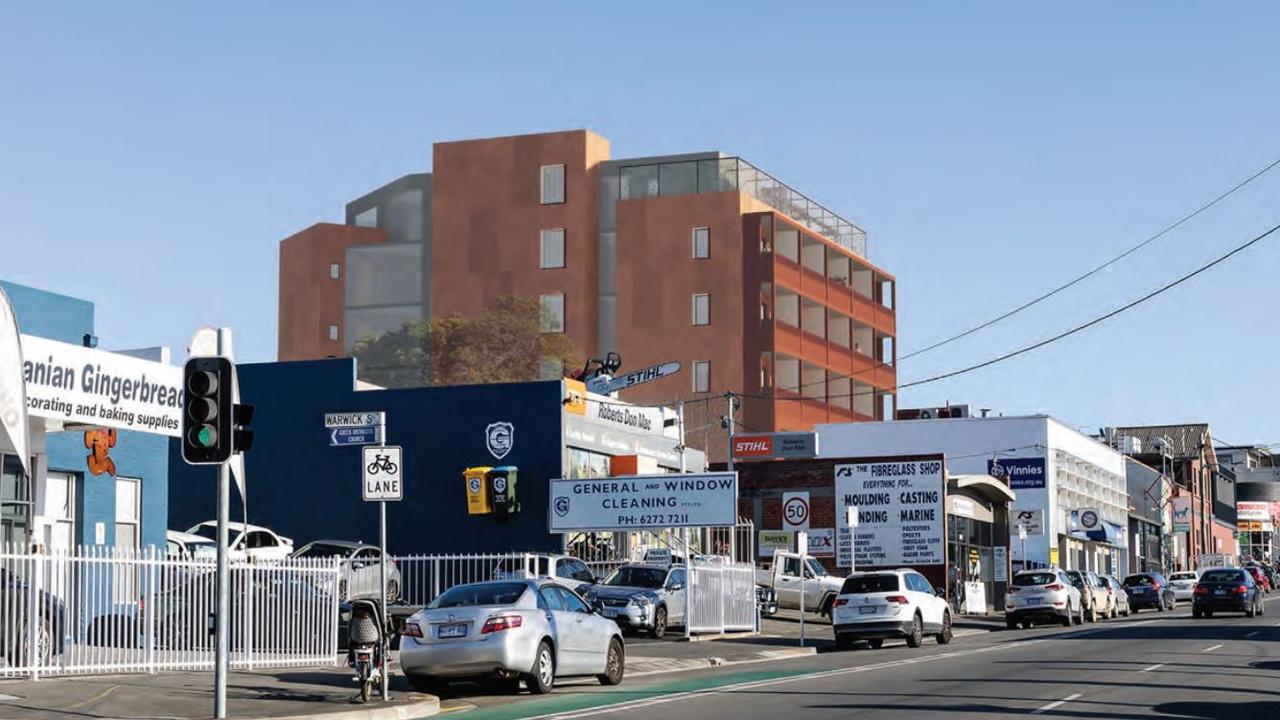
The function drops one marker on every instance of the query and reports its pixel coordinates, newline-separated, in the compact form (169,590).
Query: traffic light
(207,422)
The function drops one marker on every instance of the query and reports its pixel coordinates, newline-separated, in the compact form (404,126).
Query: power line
(1181,221)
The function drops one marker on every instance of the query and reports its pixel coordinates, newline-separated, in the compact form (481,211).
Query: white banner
(643,501)
(13,414)
(795,511)
(822,542)
(901,513)
(77,384)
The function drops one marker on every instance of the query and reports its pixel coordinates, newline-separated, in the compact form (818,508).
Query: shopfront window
(587,464)
(15,502)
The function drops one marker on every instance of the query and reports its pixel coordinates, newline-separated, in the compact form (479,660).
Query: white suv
(1047,594)
(873,606)
(1183,584)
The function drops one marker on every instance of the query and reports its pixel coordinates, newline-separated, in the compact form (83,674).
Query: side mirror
(940,592)
(675,586)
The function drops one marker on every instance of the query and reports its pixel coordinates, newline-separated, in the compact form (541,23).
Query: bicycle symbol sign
(381,473)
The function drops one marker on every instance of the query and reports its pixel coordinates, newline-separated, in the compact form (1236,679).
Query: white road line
(1251,634)
(1157,666)
(1211,648)
(1055,703)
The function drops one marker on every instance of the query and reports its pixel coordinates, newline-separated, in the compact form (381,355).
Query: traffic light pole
(221,620)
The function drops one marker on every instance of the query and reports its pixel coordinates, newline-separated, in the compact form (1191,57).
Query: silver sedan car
(359,571)
(512,630)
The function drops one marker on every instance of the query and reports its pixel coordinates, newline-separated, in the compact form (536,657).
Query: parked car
(50,622)
(784,575)
(360,569)
(642,597)
(565,568)
(766,601)
(1260,577)
(186,546)
(1148,590)
(530,630)
(1046,594)
(247,541)
(1183,584)
(1095,598)
(873,606)
(1116,588)
(1222,589)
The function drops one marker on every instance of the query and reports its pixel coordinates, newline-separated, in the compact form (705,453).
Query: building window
(60,510)
(701,243)
(701,309)
(368,218)
(552,248)
(702,376)
(335,271)
(128,520)
(333,332)
(553,313)
(552,184)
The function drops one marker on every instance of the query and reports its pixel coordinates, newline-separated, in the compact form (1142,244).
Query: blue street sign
(354,436)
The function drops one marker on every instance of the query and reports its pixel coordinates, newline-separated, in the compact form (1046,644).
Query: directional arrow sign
(604,385)
(354,436)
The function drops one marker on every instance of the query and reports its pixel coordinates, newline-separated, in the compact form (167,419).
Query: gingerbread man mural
(100,443)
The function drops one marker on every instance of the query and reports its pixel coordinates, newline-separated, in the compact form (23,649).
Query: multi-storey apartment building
(700,258)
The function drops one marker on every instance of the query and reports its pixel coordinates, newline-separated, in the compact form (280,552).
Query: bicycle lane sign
(382,471)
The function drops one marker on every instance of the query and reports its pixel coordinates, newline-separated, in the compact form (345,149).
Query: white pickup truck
(784,576)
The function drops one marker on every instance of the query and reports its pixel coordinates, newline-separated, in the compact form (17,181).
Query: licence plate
(1219,592)
(452,631)
(1034,601)
(867,609)
(609,612)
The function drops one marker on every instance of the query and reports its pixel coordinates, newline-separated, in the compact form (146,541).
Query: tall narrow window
(368,218)
(552,250)
(552,184)
(702,376)
(335,271)
(333,332)
(552,313)
(701,243)
(701,309)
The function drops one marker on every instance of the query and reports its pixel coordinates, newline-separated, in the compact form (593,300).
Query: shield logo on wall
(499,437)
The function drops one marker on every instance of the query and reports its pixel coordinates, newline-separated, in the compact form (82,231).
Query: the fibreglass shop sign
(94,387)
(901,513)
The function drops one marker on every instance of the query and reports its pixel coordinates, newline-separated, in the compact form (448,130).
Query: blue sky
(990,150)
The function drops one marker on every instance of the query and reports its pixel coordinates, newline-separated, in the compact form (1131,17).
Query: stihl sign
(775,445)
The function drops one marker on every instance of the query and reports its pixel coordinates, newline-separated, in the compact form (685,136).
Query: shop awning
(993,490)
(1109,533)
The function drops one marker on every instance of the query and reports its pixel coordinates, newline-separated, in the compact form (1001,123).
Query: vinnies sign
(85,386)
(901,513)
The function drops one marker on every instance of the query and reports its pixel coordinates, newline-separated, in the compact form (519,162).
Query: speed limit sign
(795,511)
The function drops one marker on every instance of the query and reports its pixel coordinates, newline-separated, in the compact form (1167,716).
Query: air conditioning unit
(1129,445)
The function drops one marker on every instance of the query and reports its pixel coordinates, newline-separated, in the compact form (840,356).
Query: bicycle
(383,463)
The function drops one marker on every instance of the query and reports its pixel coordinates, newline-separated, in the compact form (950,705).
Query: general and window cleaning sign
(644,501)
(901,513)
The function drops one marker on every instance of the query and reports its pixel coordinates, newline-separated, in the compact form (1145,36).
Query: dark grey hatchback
(1230,589)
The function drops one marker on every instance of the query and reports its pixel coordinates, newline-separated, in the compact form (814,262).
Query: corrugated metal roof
(1186,440)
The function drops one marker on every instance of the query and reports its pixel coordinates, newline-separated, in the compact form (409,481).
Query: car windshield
(1025,579)
(480,594)
(206,531)
(203,550)
(1221,576)
(1137,580)
(1183,576)
(323,550)
(644,577)
(861,584)
(815,567)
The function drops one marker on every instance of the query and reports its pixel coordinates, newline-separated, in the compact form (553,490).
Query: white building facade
(1070,489)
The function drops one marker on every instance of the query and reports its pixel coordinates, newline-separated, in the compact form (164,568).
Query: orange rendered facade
(311,298)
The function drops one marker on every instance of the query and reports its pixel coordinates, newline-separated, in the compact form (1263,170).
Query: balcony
(688,177)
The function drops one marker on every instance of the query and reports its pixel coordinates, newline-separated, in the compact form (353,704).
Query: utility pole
(684,536)
(733,531)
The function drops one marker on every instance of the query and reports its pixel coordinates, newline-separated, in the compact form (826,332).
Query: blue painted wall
(304,489)
(137,455)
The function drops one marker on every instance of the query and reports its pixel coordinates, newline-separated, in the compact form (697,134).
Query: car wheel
(916,636)
(875,644)
(615,664)
(428,685)
(945,636)
(1093,613)
(659,622)
(1208,613)
(1010,624)
(1066,619)
(844,642)
(542,676)
(1079,620)
(1251,610)
(393,592)
(342,590)
(1160,606)
(1195,613)
(44,642)
(825,608)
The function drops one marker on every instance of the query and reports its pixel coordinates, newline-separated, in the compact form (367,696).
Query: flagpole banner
(13,388)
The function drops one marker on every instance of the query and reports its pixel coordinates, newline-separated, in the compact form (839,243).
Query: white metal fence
(423,577)
(106,611)
(604,552)
(722,596)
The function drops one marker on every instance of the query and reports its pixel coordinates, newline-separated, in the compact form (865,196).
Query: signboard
(1249,510)
(604,385)
(822,542)
(1000,564)
(901,513)
(644,501)
(802,543)
(772,540)
(1053,557)
(1031,520)
(83,385)
(354,419)
(1089,519)
(1020,473)
(575,396)
(765,446)
(354,436)
(1181,508)
(795,511)
(383,473)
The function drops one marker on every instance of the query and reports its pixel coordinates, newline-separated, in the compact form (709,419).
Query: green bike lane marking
(567,700)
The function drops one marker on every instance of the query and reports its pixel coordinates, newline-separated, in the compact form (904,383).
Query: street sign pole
(733,533)
(802,549)
(382,564)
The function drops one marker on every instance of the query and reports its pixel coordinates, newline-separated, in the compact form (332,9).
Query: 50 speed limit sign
(795,511)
